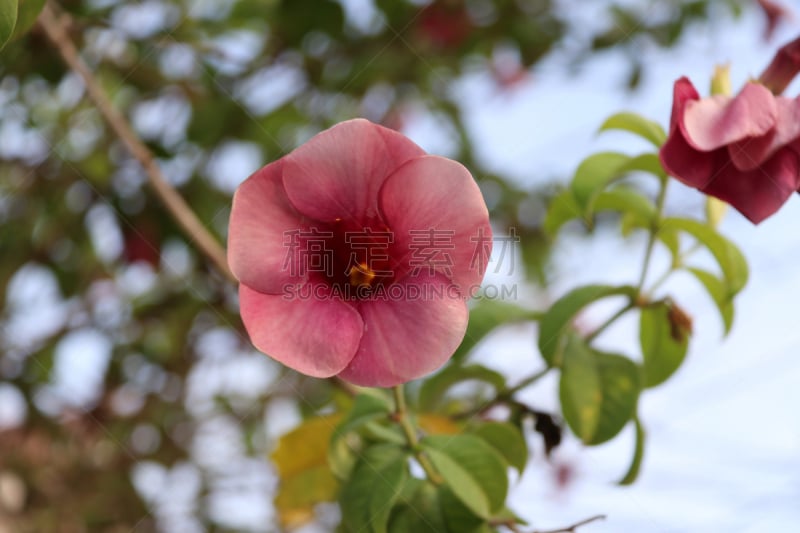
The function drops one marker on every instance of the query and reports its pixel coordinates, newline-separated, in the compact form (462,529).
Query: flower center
(361,275)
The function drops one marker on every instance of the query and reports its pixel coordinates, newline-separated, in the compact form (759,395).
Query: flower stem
(605,325)
(640,298)
(402,418)
(530,380)
(651,241)
(674,267)
(55,27)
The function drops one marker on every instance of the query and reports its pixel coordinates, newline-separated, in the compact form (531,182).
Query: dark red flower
(783,68)
(742,149)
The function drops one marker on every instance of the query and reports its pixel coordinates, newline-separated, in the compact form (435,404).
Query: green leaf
(638,125)
(418,509)
(598,391)
(8,19)
(508,440)
(375,431)
(719,293)
(594,174)
(458,516)
(472,469)
(27,14)
(366,408)
(558,318)
(647,162)
(638,454)
(730,259)
(662,352)
(671,238)
(627,201)
(434,388)
(368,496)
(487,315)
(561,210)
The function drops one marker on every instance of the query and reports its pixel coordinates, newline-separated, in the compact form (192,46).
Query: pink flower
(743,150)
(356,253)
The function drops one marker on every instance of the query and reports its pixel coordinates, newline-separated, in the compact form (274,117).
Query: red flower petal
(751,153)
(439,219)
(261,216)
(714,122)
(686,164)
(407,338)
(759,193)
(338,173)
(314,335)
(783,67)
(682,92)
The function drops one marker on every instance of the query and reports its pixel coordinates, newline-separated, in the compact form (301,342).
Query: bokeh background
(130,397)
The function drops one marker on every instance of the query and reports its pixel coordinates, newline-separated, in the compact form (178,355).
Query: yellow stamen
(361,275)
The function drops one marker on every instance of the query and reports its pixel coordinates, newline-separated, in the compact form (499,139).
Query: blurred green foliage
(212,86)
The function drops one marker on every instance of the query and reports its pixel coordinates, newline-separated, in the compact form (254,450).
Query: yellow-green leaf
(302,463)
(508,440)
(27,13)
(730,259)
(638,455)
(373,488)
(598,391)
(472,469)
(8,19)
(557,320)
(638,125)
(663,348)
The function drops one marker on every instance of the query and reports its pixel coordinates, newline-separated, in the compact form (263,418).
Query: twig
(573,527)
(651,240)
(55,27)
(605,325)
(401,417)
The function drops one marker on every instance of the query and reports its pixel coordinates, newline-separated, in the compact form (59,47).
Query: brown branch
(55,27)
(575,526)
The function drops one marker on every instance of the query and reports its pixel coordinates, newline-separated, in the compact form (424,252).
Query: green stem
(651,241)
(402,418)
(596,333)
(675,266)
(648,255)
(511,391)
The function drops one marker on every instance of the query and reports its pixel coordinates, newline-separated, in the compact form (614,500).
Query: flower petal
(682,92)
(759,193)
(261,219)
(338,173)
(714,122)
(690,166)
(315,334)
(439,220)
(783,68)
(407,337)
(750,153)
